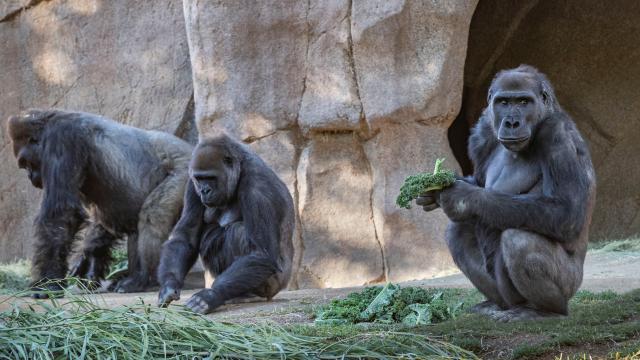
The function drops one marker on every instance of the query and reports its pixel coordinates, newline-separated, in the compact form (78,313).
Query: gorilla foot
(132,284)
(522,313)
(204,301)
(486,307)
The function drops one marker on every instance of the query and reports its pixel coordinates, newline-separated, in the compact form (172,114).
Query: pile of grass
(15,276)
(75,327)
(630,244)
(415,185)
(394,304)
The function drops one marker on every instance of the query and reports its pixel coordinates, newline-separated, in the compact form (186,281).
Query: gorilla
(129,180)
(519,225)
(239,217)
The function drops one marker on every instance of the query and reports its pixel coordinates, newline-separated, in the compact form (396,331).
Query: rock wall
(343,98)
(589,50)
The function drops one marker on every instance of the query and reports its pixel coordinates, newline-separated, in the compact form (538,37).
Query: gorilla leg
(542,273)
(240,269)
(94,260)
(157,217)
(467,255)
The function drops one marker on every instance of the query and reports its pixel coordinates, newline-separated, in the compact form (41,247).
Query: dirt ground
(617,271)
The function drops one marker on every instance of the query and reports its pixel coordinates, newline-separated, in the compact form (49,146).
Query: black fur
(520,225)
(93,167)
(239,217)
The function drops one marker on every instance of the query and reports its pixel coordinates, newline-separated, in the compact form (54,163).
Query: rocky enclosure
(344,98)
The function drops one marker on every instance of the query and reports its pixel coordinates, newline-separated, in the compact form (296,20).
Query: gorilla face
(214,173)
(25,136)
(517,104)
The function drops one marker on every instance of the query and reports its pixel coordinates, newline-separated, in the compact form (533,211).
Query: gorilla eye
(524,101)
(33,140)
(503,101)
(228,160)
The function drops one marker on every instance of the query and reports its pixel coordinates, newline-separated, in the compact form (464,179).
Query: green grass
(602,319)
(14,277)
(76,327)
(630,244)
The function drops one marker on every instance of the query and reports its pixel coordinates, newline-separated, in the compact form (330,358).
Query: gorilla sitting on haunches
(130,180)
(519,225)
(239,217)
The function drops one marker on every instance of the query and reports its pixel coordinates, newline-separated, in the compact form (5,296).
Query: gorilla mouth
(513,141)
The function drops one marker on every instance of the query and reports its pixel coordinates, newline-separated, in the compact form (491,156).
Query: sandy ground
(617,271)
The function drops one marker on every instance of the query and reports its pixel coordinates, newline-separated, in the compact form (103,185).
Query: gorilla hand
(457,200)
(204,301)
(168,293)
(429,200)
(89,268)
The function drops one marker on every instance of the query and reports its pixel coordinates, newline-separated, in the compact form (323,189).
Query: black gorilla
(130,180)
(239,216)
(519,225)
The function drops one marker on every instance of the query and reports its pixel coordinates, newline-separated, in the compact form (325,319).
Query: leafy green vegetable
(415,185)
(392,304)
(119,266)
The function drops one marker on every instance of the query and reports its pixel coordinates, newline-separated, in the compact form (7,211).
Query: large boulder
(353,95)
(127,60)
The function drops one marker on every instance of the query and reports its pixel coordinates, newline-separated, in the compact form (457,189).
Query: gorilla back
(239,217)
(519,225)
(130,180)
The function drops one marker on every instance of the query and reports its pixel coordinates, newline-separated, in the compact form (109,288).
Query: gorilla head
(25,131)
(215,171)
(519,99)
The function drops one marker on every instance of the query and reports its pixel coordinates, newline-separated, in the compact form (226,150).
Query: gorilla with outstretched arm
(239,217)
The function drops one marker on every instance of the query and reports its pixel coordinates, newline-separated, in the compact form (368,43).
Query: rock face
(591,70)
(345,99)
(127,60)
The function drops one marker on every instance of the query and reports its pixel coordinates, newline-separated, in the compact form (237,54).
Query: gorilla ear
(547,93)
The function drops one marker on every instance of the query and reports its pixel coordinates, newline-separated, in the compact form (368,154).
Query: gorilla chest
(222,217)
(510,173)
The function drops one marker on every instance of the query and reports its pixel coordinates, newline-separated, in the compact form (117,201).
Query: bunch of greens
(119,266)
(77,328)
(391,304)
(415,185)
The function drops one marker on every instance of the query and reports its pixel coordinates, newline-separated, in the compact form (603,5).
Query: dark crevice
(187,129)
(12,15)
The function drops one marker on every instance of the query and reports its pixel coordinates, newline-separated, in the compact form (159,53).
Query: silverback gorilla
(519,225)
(239,216)
(130,180)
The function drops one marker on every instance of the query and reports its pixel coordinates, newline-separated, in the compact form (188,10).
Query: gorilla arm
(180,252)
(558,213)
(260,235)
(61,213)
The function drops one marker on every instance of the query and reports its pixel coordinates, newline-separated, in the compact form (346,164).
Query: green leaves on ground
(392,304)
(415,185)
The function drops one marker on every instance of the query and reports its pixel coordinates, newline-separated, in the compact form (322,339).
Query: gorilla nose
(511,123)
